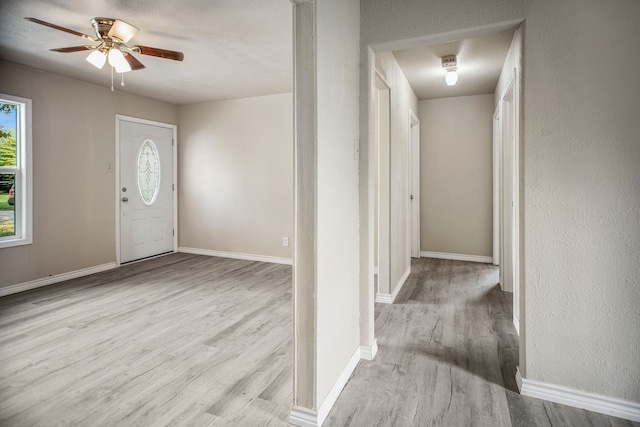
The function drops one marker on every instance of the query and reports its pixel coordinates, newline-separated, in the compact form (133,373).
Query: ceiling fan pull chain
(111,79)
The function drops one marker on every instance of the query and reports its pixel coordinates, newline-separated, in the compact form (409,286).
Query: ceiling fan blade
(73,49)
(122,31)
(160,53)
(133,62)
(57,27)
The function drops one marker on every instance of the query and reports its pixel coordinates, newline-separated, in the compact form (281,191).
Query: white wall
(456,182)
(337,192)
(235,175)
(73,193)
(580,154)
(403,99)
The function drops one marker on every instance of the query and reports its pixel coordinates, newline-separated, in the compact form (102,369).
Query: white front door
(146,190)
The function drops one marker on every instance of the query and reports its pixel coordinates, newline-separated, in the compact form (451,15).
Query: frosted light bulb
(451,77)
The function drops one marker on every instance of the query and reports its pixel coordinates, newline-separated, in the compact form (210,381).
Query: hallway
(447,356)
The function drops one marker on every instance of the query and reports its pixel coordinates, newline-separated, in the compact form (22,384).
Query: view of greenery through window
(8,159)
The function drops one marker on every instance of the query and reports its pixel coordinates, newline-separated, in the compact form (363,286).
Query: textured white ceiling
(232,48)
(480,62)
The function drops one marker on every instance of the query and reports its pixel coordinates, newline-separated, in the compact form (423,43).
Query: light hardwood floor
(447,356)
(189,340)
(178,340)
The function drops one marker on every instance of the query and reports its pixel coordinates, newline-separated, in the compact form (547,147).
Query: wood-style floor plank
(447,356)
(187,340)
(178,340)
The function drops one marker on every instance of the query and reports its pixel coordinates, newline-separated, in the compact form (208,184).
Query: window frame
(23,171)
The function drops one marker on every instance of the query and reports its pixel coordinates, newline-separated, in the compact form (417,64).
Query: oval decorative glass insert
(148,172)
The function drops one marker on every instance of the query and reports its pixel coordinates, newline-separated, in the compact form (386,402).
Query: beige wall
(580,154)
(325,271)
(73,193)
(456,183)
(402,99)
(581,196)
(235,175)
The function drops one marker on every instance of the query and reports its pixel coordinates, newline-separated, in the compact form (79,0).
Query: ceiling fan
(112,36)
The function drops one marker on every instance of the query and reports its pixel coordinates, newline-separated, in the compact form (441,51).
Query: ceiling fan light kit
(112,36)
(117,61)
(97,59)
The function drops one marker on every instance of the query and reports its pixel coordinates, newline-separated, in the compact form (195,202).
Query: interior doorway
(410,54)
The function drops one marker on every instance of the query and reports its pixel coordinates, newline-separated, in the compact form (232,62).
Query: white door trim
(414,190)
(515,166)
(510,181)
(382,78)
(174,129)
(383,156)
(497,140)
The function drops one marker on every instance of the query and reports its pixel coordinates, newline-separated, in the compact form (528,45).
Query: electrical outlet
(285,241)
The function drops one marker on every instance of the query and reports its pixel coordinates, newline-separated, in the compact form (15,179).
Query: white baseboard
(384,298)
(581,399)
(236,255)
(457,257)
(368,352)
(304,417)
(335,391)
(50,280)
(390,298)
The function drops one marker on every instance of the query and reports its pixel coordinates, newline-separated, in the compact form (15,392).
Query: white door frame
(497,161)
(506,223)
(515,187)
(414,185)
(120,118)
(382,156)
(510,192)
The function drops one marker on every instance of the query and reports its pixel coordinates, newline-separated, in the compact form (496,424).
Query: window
(148,172)
(15,171)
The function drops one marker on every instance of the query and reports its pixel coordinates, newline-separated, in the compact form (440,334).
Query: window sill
(10,243)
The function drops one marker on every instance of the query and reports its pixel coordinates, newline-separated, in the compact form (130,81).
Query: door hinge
(172,142)
(173,232)
(173,187)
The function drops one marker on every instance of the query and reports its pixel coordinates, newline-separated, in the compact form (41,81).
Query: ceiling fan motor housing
(102,26)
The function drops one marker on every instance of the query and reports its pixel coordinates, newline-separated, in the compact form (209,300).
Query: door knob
(125,199)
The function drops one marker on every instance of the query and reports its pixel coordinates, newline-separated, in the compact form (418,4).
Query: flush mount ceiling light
(112,36)
(450,63)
